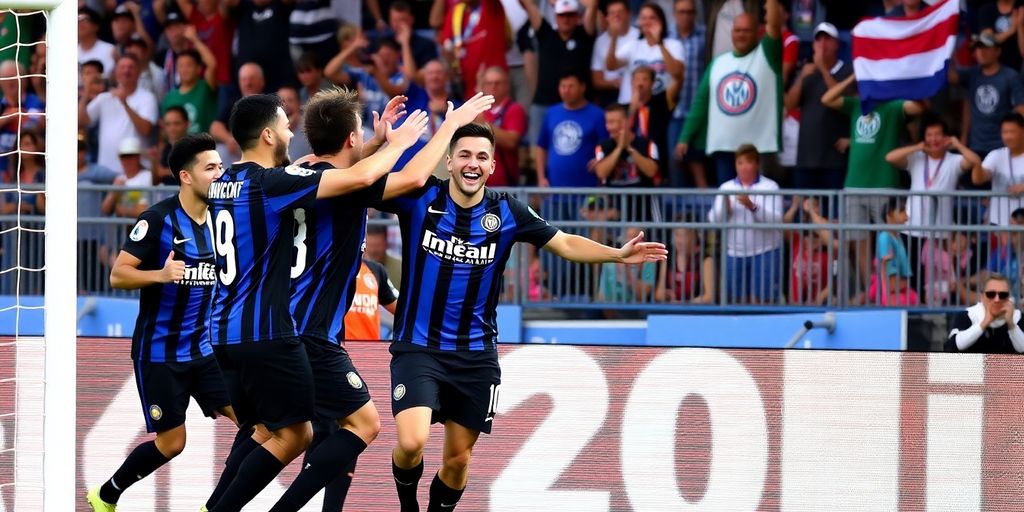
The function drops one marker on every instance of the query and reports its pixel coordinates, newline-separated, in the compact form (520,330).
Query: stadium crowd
(693,94)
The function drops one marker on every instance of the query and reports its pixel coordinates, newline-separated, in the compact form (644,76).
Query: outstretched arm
(584,250)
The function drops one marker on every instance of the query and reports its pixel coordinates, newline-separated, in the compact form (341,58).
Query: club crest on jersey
(458,250)
(736,93)
(490,223)
(156,412)
(370,280)
(354,380)
(296,170)
(139,231)
(399,392)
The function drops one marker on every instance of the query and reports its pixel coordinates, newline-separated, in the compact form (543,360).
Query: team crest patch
(296,170)
(354,380)
(139,231)
(156,412)
(399,392)
(490,222)
(370,280)
(736,93)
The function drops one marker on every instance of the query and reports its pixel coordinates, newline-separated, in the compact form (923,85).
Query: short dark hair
(609,3)
(93,63)
(307,61)
(895,205)
(1013,117)
(194,54)
(389,42)
(183,153)
(250,115)
(331,115)
(660,13)
(138,41)
(377,229)
(403,6)
(748,151)
(617,107)
(572,73)
(128,56)
(177,109)
(1018,215)
(647,70)
(472,130)
(930,119)
(996,276)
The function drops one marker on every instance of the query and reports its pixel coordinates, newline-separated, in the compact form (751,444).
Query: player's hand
(681,150)
(637,251)
(393,111)
(173,269)
(469,110)
(406,135)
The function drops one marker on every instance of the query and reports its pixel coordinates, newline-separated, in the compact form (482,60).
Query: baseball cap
(172,18)
(827,28)
(92,16)
(130,146)
(567,6)
(985,39)
(122,12)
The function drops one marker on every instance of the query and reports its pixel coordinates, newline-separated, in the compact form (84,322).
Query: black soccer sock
(143,460)
(442,497)
(322,466)
(407,481)
(257,470)
(336,491)
(240,449)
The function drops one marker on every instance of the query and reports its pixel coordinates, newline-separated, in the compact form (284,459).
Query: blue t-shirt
(899,265)
(571,138)
(372,95)
(1003,259)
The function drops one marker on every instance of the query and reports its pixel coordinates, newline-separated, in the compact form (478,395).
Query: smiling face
(470,164)
(206,168)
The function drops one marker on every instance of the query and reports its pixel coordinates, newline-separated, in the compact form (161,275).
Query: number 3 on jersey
(224,240)
(300,243)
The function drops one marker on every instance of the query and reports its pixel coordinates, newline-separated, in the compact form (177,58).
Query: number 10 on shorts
(492,403)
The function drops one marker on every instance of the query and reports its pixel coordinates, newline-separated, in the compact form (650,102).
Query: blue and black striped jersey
(172,324)
(328,241)
(254,233)
(453,261)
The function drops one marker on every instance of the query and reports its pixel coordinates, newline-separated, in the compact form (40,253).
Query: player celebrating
(169,256)
(264,364)
(456,238)
(328,242)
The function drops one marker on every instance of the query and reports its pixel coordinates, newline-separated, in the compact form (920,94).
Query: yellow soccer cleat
(204,509)
(97,504)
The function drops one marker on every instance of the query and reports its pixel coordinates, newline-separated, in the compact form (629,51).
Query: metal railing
(813,262)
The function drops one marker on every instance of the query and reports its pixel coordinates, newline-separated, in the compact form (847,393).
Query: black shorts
(340,391)
(269,382)
(165,388)
(458,386)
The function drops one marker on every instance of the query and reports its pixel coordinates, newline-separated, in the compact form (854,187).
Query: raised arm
(590,16)
(898,157)
(209,61)
(970,160)
(773,19)
(584,250)
(533,13)
(393,111)
(611,61)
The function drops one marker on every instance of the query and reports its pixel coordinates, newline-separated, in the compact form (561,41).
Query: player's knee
(457,462)
(411,444)
(171,443)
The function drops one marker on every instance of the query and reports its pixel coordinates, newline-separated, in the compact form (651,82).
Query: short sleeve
(991,162)
(544,134)
(530,227)
(291,187)
(143,241)
(624,49)
(148,108)
(914,160)
(524,39)
(386,292)
(1016,89)
(596,58)
(95,107)
(883,247)
(851,105)
(515,119)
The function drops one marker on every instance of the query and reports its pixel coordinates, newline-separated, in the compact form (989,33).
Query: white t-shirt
(135,197)
(101,51)
(1004,173)
(742,243)
(601,46)
(638,53)
(930,175)
(115,125)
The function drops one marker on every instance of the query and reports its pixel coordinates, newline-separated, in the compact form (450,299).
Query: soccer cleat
(97,504)
(204,509)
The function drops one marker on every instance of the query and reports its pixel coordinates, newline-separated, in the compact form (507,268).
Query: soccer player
(263,362)
(169,255)
(456,238)
(328,242)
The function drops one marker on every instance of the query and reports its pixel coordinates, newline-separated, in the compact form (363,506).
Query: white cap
(567,6)
(827,28)
(130,146)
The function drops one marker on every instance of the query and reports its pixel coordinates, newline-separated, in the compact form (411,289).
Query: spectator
(262,38)
(625,160)
(15,29)
(627,284)
(384,77)
(994,91)
(722,17)
(433,99)
(19,108)
(373,290)
(567,137)
(250,82)
(932,168)
(90,46)
(174,126)
(129,203)
(311,77)
(753,256)
(1001,19)
(1002,167)
(216,28)
(196,92)
(892,286)
(299,145)
(401,20)
(567,49)
(126,26)
(312,25)
(992,325)
(692,36)
(906,8)
(814,252)
(946,263)
(349,65)
(508,121)
(174,33)
(91,274)
(377,250)
(474,36)
(151,76)
(654,49)
(88,72)
(124,112)
(820,156)
(746,85)
(679,278)
(28,163)
(649,112)
(607,83)
(872,136)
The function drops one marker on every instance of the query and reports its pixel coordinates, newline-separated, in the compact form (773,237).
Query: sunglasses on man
(992,294)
